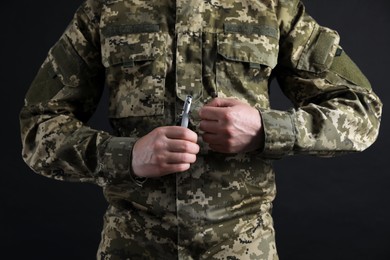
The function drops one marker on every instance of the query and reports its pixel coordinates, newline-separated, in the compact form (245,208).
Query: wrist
(138,180)
(259,139)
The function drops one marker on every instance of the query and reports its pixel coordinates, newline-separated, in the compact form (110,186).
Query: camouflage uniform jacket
(151,54)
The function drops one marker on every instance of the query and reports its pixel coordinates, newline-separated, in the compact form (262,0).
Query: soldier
(206,191)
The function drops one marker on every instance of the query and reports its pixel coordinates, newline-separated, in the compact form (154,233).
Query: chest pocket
(247,55)
(134,56)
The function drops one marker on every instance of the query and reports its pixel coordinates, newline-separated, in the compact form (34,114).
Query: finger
(181,133)
(211,113)
(172,168)
(181,146)
(180,158)
(209,126)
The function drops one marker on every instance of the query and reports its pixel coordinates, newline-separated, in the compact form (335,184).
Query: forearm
(337,126)
(59,146)
(56,140)
(335,110)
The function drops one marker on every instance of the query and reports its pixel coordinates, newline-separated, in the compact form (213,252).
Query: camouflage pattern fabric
(151,54)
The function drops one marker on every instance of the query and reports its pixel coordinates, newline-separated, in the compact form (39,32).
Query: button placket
(189,17)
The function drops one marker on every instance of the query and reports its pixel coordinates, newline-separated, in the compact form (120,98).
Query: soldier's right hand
(163,151)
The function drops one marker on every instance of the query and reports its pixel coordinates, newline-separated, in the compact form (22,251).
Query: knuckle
(159,159)
(229,115)
(184,158)
(159,146)
(159,131)
(230,144)
(185,146)
(230,132)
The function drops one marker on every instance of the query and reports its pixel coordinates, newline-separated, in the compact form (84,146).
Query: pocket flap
(124,49)
(129,43)
(66,62)
(257,44)
(319,51)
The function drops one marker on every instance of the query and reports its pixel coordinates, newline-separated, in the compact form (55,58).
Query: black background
(325,209)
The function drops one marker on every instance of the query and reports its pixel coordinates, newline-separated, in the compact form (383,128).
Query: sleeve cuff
(279,133)
(115,162)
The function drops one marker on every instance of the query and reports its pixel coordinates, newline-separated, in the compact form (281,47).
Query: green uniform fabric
(151,54)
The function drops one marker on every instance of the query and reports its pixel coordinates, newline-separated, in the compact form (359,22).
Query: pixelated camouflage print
(152,54)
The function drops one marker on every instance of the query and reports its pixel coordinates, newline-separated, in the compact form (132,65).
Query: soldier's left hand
(231,126)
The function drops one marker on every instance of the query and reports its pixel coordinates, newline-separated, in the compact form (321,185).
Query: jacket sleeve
(335,110)
(56,141)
